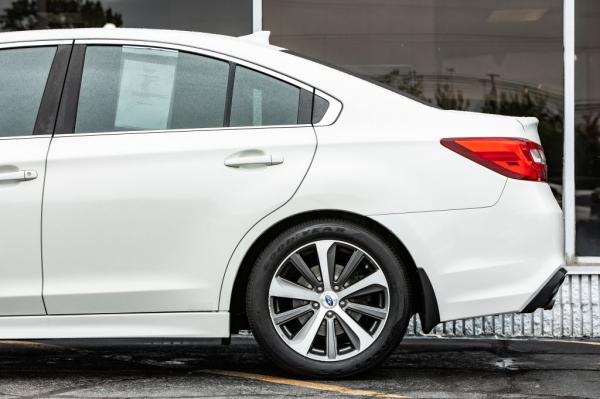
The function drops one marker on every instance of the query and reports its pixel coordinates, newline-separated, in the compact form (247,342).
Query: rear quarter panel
(388,159)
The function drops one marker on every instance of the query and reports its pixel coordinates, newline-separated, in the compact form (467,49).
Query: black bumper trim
(544,298)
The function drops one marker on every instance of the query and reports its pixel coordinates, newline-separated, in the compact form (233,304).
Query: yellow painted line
(304,384)
(566,341)
(30,344)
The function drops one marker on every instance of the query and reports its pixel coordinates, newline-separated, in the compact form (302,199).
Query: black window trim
(229,95)
(45,122)
(67,112)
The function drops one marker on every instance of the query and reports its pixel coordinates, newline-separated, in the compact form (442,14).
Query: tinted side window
(261,100)
(23,76)
(320,107)
(136,88)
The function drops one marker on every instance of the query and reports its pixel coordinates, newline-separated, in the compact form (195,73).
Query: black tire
(267,264)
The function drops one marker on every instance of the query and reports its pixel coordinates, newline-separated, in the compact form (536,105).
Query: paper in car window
(146,88)
(257,101)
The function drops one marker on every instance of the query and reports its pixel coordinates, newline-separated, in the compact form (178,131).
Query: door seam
(42,223)
(62,89)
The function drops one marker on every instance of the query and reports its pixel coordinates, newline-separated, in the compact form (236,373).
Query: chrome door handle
(20,175)
(267,160)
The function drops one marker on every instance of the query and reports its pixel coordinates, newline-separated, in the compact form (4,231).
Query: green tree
(447,97)
(409,83)
(21,15)
(42,14)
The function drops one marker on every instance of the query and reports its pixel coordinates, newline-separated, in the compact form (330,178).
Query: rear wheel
(328,298)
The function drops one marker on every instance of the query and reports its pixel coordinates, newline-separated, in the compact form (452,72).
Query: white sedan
(176,184)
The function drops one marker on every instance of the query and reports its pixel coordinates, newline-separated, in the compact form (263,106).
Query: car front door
(162,161)
(31,75)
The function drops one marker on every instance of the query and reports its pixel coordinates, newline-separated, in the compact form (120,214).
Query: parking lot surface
(419,368)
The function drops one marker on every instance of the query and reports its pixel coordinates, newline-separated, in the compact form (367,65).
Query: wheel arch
(425,302)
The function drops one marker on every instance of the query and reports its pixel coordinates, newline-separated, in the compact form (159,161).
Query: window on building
(500,56)
(22,81)
(587,127)
(138,88)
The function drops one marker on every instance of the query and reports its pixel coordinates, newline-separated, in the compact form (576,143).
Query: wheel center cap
(329,300)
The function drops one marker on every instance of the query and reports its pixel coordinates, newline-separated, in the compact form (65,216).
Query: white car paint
(486,260)
(136,223)
(122,325)
(20,226)
(161,213)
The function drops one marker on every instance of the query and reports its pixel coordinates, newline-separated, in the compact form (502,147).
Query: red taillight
(517,158)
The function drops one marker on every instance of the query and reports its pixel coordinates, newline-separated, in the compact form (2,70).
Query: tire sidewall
(288,242)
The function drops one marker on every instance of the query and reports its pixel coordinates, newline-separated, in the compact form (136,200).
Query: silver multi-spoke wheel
(329,300)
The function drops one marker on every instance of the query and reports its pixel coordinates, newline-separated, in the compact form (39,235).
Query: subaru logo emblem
(329,300)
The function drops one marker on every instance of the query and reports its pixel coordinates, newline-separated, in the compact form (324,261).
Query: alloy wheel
(329,300)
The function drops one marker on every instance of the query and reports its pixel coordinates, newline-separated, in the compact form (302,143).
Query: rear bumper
(544,299)
(488,260)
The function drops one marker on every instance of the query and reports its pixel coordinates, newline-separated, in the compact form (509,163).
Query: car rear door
(162,160)
(31,77)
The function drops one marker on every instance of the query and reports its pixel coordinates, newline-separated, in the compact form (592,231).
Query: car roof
(196,39)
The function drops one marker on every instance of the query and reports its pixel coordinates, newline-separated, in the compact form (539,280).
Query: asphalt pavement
(419,368)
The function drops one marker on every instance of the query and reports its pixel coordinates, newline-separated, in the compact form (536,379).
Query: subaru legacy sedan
(177,184)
